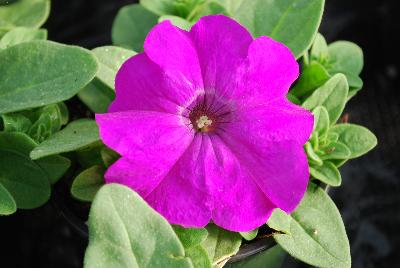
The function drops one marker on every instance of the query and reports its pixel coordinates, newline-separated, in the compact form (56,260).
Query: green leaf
(199,257)
(54,166)
(26,181)
(110,58)
(76,135)
(63,112)
(319,50)
(249,235)
(190,236)
(88,183)
(312,76)
(358,139)
(270,258)
(177,21)
(346,57)
(314,232)
(292,22)
(37,73)
(7,202)
(125,232)
(221,244)
(16,123)
(49,121)
(131,26)
(321,120)
(332,95)
(335,150)
(27,13)
(21,35)
(311,155)
(327,173)
(109,156)
(90,155)
(181,8)
(191,239)
(293,99)
(97,96)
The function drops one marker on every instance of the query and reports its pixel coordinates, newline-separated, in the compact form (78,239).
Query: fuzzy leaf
(126,232)
(314,232)
(131,26)
(38,73)
(358,139)
(21,35)
(7,202)
(76,135)
(292,22)
(88,183)
(327,173)
(332,95)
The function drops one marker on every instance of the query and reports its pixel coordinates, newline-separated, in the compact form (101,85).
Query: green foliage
(131,26)
(75,136)
(332,95)
(221,244)
(125,232)
(314,232)
(292,22)
(97,96)
(358,139)
(249,235)
(191,240)
(42,72)
(23,178)
(7,202)
(88,183)
(110,58)
(325,61)
(25,13)
(177,21)
(21,35)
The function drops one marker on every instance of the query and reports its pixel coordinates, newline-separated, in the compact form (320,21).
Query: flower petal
(141,85)
(147,138)
(268,73)
(222,46)
(280,169)
(279,120)
(182,196)
(238,202)
(173,50)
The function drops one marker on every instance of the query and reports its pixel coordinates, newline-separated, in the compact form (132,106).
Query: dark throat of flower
(209,115)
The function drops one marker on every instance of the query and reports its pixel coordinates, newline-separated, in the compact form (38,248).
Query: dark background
(369,199)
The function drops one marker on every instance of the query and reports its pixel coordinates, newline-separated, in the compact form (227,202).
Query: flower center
(207,113)
(203,122)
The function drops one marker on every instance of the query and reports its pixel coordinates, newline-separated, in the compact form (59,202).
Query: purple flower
(204,128)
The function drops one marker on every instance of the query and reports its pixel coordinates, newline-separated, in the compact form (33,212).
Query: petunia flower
(204,128)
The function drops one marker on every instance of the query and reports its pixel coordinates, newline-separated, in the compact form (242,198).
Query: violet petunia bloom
(204,128)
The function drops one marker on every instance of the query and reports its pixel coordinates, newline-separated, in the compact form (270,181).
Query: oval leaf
(332,95)
(131,26)
(292,22)
(21,35)
(7,202)
(23,178)
(309,234)
(221,244)
(88,183)
(110,59)
(358,139)
(37,73)
(76,135)
(125,232)
(327,173)
(28,13)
